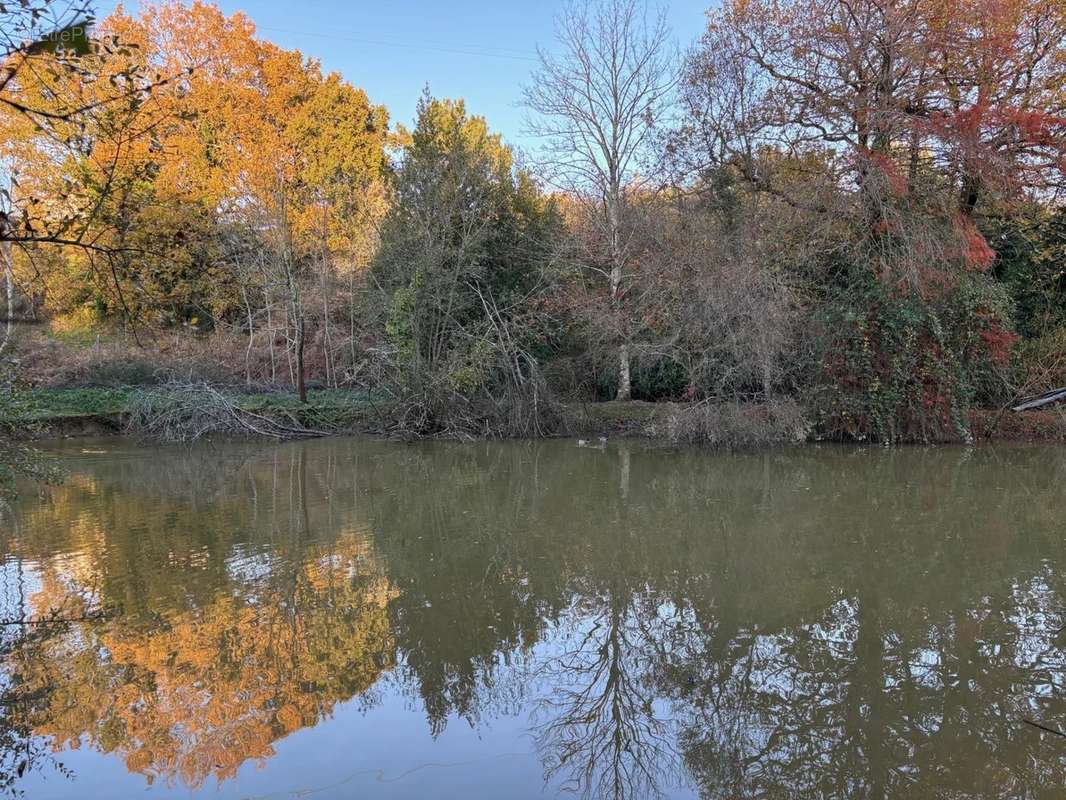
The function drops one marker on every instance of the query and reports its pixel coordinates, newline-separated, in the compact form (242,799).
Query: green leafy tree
(460,261)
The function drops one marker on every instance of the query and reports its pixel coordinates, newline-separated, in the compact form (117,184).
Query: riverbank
(641,419)
(96,411)
(101,411)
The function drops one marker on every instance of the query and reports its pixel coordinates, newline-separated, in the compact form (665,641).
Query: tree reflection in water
(804,624)
(599,727)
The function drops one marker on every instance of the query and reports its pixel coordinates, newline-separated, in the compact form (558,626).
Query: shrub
(894,366)
(78,401)
(1042,361)
(734,425)
(125,372)
(1030,251)
(660,379)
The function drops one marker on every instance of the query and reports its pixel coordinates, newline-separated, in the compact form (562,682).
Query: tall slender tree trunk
(272,334)
(327,345)
(614,223)
(251,338)
(600,100)
(299,329)
(326,275)
(301,383)
(9,271)
(625,390)
(351,321)
(9,294)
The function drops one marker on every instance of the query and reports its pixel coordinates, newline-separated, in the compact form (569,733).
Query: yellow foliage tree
(247,134)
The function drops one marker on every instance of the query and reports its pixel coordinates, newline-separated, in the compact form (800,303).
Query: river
(361,618)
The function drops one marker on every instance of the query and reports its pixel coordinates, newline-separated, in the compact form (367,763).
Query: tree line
(847,207)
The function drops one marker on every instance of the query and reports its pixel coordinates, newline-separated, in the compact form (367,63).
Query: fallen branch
(185,412)
(1041,400)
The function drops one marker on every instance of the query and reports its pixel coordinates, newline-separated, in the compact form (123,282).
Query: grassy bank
(97,410)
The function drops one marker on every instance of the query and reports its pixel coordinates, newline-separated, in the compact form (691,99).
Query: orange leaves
(977,254)
(970,126)
(999,344)
(252,117)
(1037,127)
(241,133)
(289,717)
(998,101)
(896,180)
(975,88)
(197,692)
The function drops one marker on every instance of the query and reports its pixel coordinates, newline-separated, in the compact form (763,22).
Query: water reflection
(813,623)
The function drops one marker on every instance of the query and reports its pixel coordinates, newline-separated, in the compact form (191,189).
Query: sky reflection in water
(351,618)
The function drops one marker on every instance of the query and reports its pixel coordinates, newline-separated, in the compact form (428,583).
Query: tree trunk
(327,343)
(251,339)
(272,334)
(351,321)
(301,384)
(625,390)
(970,192)
(614,222)
(9,294)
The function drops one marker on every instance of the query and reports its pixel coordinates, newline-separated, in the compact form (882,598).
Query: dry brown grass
(1048,425)
(734,425)
(120,359)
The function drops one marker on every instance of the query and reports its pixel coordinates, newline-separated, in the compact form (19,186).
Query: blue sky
(479,50)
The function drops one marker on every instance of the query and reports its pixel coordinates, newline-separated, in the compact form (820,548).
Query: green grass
(316,398)
(332,408)
(81,402)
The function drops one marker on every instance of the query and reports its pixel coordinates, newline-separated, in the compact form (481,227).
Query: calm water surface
(356,618)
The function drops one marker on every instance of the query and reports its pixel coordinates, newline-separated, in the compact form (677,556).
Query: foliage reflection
(810,623)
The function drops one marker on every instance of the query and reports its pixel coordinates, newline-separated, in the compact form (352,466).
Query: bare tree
(596,105)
